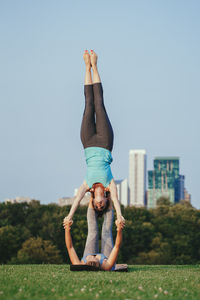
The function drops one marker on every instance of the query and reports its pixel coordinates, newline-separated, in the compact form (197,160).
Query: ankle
(88,67)
(94,67)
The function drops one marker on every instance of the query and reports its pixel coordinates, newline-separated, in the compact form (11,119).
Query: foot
(93,59)
(86,57)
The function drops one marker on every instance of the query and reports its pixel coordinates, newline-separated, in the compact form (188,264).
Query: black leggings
(99,133)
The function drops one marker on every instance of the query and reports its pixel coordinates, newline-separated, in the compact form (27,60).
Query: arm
(114,197)
(68,241)
(80,194)
(115,251)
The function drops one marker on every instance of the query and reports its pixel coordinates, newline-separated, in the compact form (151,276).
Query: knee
(92,231)
(107,230)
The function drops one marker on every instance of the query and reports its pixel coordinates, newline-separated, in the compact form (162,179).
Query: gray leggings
(96,129)
(92,242)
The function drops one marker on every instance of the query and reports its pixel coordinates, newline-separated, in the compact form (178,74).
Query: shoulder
(85,186)
(111,184)
(105,265)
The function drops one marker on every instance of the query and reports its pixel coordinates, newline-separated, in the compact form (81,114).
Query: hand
(67,222)
(121,220)
(119,225)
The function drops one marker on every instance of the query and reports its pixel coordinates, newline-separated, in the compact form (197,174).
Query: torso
(98,256)
(98,166)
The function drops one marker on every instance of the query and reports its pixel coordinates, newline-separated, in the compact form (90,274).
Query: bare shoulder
(106,266)
(111,185)
(85,186)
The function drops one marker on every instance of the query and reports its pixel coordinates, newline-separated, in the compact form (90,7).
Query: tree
(11,239)
(163,201)
(38,251)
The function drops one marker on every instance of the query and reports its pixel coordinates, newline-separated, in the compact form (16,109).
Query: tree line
(33,233)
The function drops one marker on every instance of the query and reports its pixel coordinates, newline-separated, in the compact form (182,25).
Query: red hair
(99,185)
(106,195)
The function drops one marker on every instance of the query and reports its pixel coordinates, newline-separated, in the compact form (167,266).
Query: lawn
(58,282)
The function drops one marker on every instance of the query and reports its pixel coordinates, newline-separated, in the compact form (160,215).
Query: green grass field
(57,282)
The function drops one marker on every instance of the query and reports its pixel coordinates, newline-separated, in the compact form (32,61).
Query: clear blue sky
(149,61)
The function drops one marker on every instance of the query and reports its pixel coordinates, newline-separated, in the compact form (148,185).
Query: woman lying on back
(94,259)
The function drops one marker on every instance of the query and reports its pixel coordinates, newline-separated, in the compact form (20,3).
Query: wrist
(67,228)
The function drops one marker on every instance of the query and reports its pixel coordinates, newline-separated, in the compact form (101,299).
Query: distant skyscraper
(165,180)
(122,189)
(137,177)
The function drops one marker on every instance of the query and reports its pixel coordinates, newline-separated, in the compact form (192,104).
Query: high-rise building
(137,177)
(165,181)
(122,189)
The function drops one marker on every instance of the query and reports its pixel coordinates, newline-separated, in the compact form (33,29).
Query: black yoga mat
(118,268)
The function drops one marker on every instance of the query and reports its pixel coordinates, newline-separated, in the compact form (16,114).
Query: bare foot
(93,58)
(86,57)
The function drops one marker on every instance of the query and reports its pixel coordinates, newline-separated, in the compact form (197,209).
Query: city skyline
(164,181)
(149,57)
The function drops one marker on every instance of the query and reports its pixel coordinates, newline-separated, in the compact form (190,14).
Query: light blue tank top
(98,162)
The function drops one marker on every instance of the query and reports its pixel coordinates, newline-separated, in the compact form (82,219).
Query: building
(187,196)
(165,181)
(19,200)
(137,177)
(122,189)
(69,200)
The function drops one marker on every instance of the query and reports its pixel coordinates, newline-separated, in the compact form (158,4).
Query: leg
(92,242)
(104,129)
(106,235)
(88,75)
(88,128)
(103,126)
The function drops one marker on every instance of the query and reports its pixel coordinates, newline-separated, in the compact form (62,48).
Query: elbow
(69,246)
(108,268)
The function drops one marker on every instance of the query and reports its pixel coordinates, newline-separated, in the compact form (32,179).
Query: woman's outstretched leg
(93,59)
(88,127)
(88,75)
(106,235)
(92,242)
(104,131)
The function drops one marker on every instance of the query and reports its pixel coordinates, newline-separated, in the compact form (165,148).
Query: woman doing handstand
(97,139)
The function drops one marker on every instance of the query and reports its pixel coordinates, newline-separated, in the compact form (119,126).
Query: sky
(149,63)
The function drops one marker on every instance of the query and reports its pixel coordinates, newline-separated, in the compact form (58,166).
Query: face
(100,199)
(92,261)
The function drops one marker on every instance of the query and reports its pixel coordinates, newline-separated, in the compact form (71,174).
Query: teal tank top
(98,162)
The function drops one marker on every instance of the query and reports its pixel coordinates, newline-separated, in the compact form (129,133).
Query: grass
(57,282)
